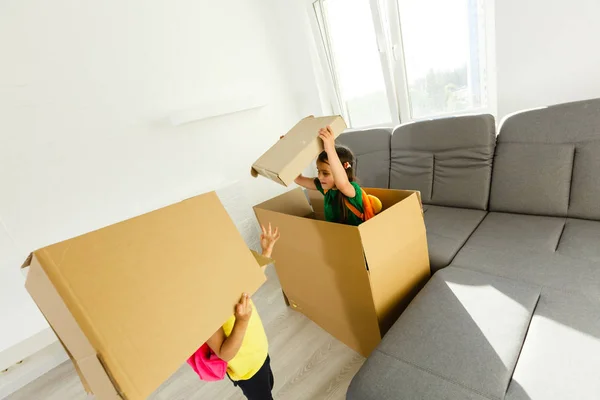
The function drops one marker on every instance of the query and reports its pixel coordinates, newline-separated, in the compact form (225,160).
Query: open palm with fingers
(268,238)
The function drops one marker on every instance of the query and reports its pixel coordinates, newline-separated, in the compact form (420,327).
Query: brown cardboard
(322,266)
(132,301)
(396,252)
(283,162)
(79,349)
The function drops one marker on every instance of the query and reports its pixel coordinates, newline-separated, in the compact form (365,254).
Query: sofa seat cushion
(581,239)
(384,377)
(463,328)
(552,270)
(448,229)
(561,355)
(552,252)
(514,231)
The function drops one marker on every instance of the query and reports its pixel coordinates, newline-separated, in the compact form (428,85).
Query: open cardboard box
(352,281)
(131,302)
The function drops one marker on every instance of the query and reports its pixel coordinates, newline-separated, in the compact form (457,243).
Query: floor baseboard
(31,368)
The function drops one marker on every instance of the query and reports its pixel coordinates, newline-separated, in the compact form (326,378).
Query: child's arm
(337,169)
(305,182)
(224,347)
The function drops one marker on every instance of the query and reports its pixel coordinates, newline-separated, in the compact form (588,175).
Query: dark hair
(346,156)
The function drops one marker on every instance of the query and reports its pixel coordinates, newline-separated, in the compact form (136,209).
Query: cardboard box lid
(149,291)
(283,162)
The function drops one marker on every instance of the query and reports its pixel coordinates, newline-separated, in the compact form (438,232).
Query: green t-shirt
(332,210)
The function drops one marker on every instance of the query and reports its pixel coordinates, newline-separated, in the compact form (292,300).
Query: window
(395,61)
(353,60)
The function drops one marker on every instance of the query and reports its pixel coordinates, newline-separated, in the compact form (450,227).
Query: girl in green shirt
(336,180)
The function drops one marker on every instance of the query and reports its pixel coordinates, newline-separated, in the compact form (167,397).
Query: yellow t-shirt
(253,352)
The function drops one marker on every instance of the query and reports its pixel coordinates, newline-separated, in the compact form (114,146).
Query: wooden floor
(307,363)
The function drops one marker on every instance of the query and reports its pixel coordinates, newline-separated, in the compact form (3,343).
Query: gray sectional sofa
(512,310)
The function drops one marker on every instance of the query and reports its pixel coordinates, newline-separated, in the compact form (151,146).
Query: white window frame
(391,53)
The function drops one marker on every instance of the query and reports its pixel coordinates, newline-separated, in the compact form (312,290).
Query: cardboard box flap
(288,157)
(93,377)
(255,173)
(149,291)
(27,261)
(391,197)
(261,260)
(293,202)
(317,202)
(84,382)
(395,245)
(99,378)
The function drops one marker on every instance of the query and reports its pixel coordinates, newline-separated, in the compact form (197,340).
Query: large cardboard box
(283,162)
(131,302)
(352,281)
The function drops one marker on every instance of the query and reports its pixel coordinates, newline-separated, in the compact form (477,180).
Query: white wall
(296,42)
(547,52)
(86,89)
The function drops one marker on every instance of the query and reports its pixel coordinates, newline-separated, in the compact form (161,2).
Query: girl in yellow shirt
(242,341)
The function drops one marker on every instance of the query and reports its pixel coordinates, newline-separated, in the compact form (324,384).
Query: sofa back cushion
(449,160)
(548,161)
(372,150)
